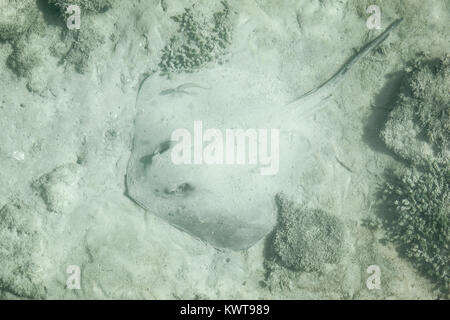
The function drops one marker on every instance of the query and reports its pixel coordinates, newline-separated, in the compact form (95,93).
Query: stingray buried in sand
(229,206)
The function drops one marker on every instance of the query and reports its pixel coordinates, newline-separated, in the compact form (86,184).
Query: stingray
(228,206)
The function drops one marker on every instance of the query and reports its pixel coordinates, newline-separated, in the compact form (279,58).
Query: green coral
(418,204)
(197,42)
(307,239)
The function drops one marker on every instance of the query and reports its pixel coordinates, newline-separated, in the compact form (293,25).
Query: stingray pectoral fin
(313,99)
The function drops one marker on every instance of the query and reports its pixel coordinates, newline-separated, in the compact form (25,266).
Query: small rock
(59,188)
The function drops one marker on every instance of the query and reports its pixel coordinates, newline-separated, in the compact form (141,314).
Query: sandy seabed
(67,112)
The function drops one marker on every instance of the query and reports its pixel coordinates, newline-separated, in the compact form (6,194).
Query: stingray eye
(163,147)
(182,189)
(160,149)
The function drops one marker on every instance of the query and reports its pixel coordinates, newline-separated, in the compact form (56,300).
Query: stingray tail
(325,90)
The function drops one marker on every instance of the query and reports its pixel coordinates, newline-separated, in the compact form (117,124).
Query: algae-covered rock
(25,56)
(418,128)
(307,239)
(16,17)
(198,40)
(59,188)
(88,5)
(19,242)
(82,42)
